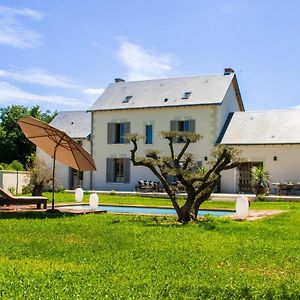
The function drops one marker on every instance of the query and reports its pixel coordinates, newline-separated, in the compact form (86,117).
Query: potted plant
(260,181)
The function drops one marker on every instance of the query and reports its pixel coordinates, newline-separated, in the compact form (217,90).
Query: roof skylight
(186,95)
(127,99)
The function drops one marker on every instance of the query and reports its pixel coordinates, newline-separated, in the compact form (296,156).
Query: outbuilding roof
(77,124)
(264,127)
(183,91)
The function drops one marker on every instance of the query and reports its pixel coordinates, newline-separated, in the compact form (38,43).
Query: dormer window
(127,99)
(186,95)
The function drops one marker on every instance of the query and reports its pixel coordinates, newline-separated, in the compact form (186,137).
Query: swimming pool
(145,210)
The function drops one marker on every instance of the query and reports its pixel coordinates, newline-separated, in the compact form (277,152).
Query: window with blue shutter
(185,125)
(149,134)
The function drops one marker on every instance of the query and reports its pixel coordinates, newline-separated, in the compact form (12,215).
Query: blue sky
(62,54)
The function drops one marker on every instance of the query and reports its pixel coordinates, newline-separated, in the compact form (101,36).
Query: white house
(77,124)
(198,103)
(269,138)
(209,104)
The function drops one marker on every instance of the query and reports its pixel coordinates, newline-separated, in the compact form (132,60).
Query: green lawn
(103,256)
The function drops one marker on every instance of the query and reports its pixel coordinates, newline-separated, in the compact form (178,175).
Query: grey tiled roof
(265,127)
(205,89)
(77,124)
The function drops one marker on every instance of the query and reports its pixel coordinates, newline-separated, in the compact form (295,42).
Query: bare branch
(184,148)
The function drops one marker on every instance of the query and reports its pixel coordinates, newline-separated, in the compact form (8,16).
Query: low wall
(13,179)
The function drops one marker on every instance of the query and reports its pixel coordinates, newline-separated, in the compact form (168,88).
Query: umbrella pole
(53,176)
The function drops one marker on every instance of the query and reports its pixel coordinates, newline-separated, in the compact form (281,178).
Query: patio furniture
(147,186)
(296,188)
(285,188)
(7,198)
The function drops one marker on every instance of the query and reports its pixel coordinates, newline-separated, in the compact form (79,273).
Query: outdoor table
(290,187)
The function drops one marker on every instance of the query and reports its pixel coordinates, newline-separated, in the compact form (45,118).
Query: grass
(107,256)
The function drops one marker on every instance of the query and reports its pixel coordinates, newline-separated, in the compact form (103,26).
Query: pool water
(146,210)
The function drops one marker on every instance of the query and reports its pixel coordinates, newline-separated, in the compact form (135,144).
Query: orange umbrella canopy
(57,144)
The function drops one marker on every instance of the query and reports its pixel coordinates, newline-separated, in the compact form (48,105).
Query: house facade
(199,104)
(77,124)
(210,105)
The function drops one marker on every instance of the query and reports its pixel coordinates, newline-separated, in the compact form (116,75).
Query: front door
(76,178)
(244,176)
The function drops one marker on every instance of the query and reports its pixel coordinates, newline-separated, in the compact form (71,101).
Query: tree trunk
(186,213)
(38,189)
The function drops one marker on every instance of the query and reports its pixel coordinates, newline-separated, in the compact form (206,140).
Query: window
(118,170)
(116,133)
(186,95)
(149,134)
(184,125)
(119,133)
(127,99)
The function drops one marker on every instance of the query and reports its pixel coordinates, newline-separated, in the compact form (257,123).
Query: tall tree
(13,144)
(199,183)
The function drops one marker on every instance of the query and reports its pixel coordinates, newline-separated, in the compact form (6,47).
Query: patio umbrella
(58,145)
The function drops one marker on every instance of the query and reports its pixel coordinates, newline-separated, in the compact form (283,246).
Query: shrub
(16,165)
(27,189)
(12,190)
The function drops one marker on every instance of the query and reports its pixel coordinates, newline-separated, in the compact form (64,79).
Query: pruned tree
(40,176)
(199,183)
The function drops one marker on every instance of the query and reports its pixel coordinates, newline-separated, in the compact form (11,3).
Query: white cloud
(42,77)
(143,64)
(13,33)
(10,92)
(93,91)
(25,12)
(38,76)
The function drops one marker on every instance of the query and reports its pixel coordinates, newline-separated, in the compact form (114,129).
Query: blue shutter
(186,126)
(149,134)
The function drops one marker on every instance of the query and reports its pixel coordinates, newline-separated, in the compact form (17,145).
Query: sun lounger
(7,198)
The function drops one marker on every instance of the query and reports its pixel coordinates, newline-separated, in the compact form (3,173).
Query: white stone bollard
(79,194)
(93,201)
(242,207)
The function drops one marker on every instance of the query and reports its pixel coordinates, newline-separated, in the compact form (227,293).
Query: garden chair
(6,198)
